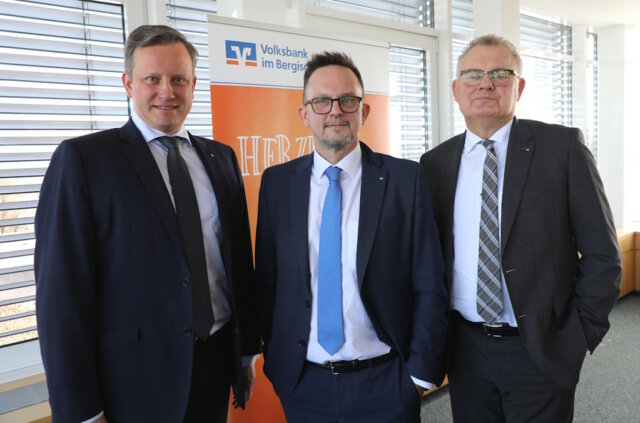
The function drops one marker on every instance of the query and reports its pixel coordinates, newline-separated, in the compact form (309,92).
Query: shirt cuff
(249,360)
(93,419)
(422,383)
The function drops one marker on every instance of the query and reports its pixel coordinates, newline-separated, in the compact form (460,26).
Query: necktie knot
(170,143)
(488,144)
(333,173)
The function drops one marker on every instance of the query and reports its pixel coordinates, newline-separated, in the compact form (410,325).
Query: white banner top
(257,54)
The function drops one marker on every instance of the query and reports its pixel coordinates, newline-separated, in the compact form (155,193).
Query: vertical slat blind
(546,57)
(60,67)
(190,18)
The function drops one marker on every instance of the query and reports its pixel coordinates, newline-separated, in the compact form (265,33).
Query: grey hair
(492,40)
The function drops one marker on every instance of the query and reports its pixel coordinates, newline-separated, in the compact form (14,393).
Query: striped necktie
(489,296)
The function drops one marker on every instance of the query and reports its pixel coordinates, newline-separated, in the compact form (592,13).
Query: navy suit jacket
(560,256)
(113,297)
(399,266)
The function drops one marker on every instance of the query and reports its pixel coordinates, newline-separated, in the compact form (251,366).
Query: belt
(496,330)
(346,366)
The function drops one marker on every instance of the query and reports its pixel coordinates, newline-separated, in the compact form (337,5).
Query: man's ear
(365,112)
(303,112)
(126,82)
(521,84)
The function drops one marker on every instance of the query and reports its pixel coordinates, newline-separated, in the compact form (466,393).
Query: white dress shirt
(209,214)
(466,224)
(360,339)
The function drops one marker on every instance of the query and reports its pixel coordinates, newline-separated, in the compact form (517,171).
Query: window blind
(462,17)
(412,12)
(546,56)
(462,33)
(190,18)
(60,76)
(457,48)
(591,101)
(409,102)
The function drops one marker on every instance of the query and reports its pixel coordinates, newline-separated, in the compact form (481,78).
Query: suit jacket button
(302,344)
(187,331)
(306,303)
(186,281)
(236,332)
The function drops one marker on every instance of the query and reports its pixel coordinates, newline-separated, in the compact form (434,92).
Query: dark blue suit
(113,296)
(399,266)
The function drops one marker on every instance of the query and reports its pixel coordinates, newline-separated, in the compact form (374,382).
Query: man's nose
(166,89)
(486,81)
(335,107)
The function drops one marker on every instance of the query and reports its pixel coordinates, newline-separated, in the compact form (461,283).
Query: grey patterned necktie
(489,300)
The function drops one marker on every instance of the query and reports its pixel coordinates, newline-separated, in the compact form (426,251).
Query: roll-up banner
(256,73)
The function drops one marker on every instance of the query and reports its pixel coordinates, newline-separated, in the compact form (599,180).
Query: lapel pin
(211,154)
(527,149)
(382,178)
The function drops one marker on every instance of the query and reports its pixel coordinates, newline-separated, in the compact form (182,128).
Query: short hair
(492,40)
(329,58)
(153,35)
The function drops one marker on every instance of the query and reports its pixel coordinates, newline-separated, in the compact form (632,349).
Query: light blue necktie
(330,333)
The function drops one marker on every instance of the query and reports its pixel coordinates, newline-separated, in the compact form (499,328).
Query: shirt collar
(349,164)
(501,137)
(149,134)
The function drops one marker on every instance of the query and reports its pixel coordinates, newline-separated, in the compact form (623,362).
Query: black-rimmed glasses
(323,105)
(497,76)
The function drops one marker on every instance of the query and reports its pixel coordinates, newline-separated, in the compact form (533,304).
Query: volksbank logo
(241,53)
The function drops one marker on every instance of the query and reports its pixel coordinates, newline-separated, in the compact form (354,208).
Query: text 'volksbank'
(274,56)
(293,66)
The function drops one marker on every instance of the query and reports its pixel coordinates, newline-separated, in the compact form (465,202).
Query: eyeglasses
(497,76)
(323,105)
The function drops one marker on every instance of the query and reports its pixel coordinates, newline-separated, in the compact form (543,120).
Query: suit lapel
(299,212)
(215,168)
(137,152)
(374,183)
(449,168)
(519,154)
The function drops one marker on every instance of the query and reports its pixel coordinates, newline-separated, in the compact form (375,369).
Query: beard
(337,143)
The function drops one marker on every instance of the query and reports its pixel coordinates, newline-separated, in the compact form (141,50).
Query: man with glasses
(350,272)
(530,248)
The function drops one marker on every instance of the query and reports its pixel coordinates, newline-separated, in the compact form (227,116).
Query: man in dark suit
(143,262)
(530,248)
(367,353)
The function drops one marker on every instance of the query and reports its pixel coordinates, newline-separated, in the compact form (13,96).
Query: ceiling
(589,12)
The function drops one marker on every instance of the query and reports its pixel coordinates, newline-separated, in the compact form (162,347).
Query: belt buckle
(333,368)
(486,327)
